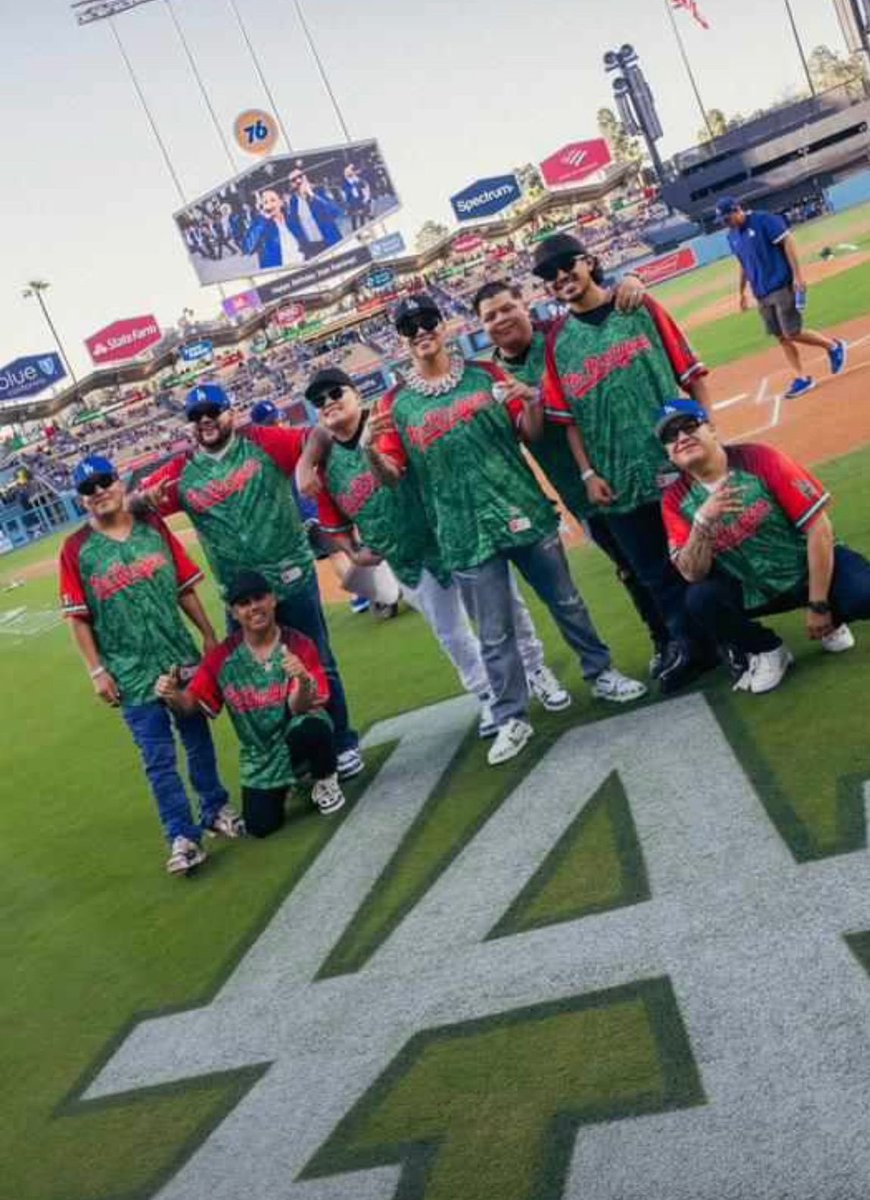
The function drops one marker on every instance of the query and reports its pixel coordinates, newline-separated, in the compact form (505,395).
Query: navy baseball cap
(246,585)
(415,306)
(207,395)
(325,379)
(675,409)
(726,206)
(265,412)
(93,465)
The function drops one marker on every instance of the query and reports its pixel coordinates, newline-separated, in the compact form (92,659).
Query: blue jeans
(715,605)
(151,726)
(487,595)
(303,611)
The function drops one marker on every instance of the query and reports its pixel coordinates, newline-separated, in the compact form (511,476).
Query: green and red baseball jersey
(611,378)
(129,591)
(480,495)
(256,695)
(551,451)
(764,545)
(242,506)
(391,520)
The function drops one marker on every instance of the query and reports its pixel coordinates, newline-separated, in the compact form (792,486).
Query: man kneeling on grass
(748,529)
(274,686)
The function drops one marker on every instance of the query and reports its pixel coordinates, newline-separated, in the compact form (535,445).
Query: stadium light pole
(800,47)
(206,99)
(336,107)
(35,290)
(262,78)
(688,66)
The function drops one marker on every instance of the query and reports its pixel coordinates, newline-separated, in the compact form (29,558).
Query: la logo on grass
(703,1037)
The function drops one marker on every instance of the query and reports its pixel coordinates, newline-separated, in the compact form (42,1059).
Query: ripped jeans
(487,594)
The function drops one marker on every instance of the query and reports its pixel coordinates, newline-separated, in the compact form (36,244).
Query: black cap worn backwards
(325,379)
(246,585)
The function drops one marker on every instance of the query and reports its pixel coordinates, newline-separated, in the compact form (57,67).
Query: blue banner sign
(389,246)
(486,197)
(196,350)
(26,376)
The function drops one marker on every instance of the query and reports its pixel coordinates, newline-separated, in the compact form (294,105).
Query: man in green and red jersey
(275,689)
(455,426)
(748,529)
(607,375)
(123,581)
(393,527)
(236,489)
(520,347)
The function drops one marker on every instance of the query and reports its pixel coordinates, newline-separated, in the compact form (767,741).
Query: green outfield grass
(95,932)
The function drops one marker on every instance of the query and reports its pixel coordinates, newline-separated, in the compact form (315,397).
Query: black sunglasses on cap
(88,487)
(333,393)
(679,425)
(211,411)
(409,327)
(549,269)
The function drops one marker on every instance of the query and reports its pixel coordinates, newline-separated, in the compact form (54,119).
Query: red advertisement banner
(575,162)
(123,339)
(669,265)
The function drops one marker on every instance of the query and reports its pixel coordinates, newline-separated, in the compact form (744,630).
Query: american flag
(691,7)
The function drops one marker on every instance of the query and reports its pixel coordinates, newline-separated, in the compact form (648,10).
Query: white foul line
(729,402)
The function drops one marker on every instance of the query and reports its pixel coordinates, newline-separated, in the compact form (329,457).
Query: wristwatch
(821,607)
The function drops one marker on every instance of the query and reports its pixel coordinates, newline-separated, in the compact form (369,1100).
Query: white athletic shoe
(840,639)
(544,686)
(184,855)
(327,795)
(228,823)
(350,763)
(766,671)
(510,740)
(612,685)
(486,726)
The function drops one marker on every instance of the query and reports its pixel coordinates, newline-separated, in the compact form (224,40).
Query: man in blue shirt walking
(763,245)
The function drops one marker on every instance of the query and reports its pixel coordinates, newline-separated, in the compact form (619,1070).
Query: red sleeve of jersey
(556,406)
(205,685)
(389,443)
(186,571)
(284,446)
(330,516)
(801,496)
(304,649)
(677,526)
(72,590)
(684,362)
(171,470)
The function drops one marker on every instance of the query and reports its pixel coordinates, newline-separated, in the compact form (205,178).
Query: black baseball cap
(246,585)
(558,245)
(325,379)
(415,306)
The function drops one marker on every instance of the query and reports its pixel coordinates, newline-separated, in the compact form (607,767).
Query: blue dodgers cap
(726,206)
(207,395)
(679,408)
(94,464)
(265,412)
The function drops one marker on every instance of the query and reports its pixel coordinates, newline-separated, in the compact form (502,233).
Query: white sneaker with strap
(227,823)
(510,740)
(839,639)
(612,685)
(184,855)
(544,686)
(327,795)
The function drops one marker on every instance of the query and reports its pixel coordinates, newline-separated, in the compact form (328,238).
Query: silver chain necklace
(437,387)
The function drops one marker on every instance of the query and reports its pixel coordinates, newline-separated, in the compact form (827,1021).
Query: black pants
(312,750)
(641,597)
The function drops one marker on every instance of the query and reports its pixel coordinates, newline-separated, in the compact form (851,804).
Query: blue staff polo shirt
(758,246)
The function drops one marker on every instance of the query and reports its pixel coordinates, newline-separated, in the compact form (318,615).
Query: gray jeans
(487,594)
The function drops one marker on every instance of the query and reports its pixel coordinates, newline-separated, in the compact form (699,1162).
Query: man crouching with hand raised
(275,689)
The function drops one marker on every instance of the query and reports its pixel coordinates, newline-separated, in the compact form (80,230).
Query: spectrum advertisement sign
(25,377)
(123,340)
(575,162)
(486,197)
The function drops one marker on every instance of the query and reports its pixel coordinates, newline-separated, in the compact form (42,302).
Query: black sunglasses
(672,431)
(409,327)
(89,486)
(334,393)
(208,410)
(251,598)
(549,269)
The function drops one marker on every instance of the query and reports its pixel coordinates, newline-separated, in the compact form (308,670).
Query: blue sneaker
(360,604)
(837,356)
(797,387)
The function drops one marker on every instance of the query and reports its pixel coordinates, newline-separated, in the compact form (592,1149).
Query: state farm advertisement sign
(575,162)
(669,265)
(122,340)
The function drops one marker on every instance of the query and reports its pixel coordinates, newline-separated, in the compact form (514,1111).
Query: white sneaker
(350,763)
(544,686)
(767,670)
(327,795)
(184,855)
(228,823)
(510,740)
(486,726)
(840,639)
(612,685)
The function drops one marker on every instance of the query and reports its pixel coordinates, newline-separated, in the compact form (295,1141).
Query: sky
(453,89)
